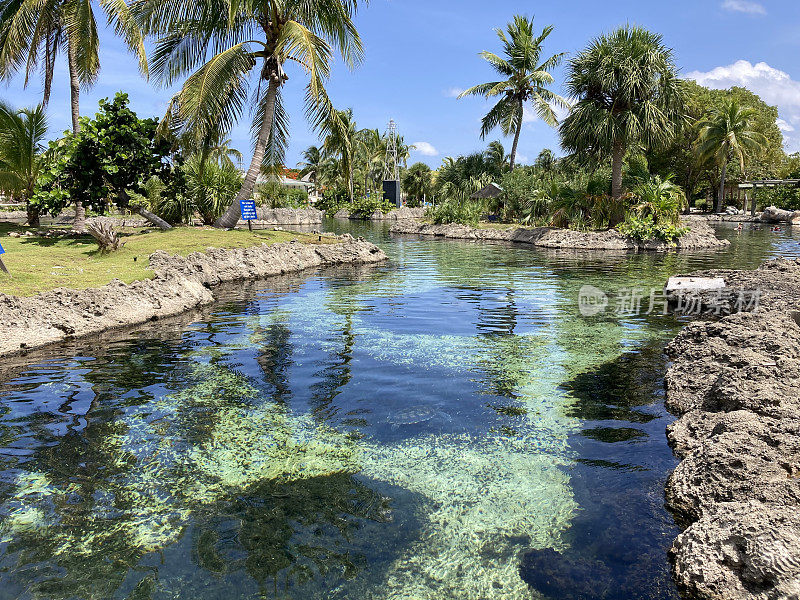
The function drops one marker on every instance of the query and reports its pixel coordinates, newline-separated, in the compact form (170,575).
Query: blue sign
(248,208)
(1,249)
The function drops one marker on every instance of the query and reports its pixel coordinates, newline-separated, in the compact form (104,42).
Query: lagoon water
(415,430)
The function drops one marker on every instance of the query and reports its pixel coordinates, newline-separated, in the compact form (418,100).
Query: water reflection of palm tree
(275,358)
(335,375)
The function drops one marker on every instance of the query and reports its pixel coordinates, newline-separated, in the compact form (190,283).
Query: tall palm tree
(22,133)
(525,79)
(373,151)
(343,141)
(628,94)
(727,134)
(33,32)
(225,44)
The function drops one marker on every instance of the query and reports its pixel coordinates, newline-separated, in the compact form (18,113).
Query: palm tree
(373,151)
(313,160)
(545,161)
(417,182)
(22,133)
(727,133)
(628,94)
(343,141)
(525,79)
(496,156)
(31,30)
(222,42)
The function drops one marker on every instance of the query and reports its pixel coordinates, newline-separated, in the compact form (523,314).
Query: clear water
(413,430)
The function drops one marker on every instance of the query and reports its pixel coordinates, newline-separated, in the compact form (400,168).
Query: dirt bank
(700,236)
(179,285)
(735,384)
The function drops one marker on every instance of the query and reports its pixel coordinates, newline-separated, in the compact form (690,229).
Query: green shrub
(362,208)
(274,195)
(466,212)
(644,228)
(332,201)
(785,197)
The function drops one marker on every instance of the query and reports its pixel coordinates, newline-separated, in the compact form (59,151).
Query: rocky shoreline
(735,385)
(400,214)
(700,236)
(180,284)
(286,216)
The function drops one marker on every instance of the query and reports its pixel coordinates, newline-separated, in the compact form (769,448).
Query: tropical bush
(363,207)
(466,212)
(274,195)
(787,198)
(656,214)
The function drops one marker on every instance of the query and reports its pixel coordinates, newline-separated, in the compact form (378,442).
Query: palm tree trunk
(154,219)
(617,156)
(233,214)
(32,214)
(516,136)
(721,197)
(351,183)
(75,91)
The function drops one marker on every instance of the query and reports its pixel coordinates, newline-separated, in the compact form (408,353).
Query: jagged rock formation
(700,236)
(735,383)
(179,285)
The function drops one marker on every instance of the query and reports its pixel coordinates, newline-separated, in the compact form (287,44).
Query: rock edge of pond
(699,237)
(180,284)
(735,385)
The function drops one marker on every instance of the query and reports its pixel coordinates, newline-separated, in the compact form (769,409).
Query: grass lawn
(38,264)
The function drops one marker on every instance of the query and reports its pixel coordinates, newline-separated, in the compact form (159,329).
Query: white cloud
(774,86)
(453,92)
(744,6)
(426,149)
(522,159)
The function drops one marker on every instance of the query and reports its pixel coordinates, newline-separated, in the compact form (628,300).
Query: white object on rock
(694,284)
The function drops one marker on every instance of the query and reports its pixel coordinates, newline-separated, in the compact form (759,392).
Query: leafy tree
(628,95)
(728,133)
(30,29)
(221,42)
(113,154)
(21,135)
(417,182)
(525,80)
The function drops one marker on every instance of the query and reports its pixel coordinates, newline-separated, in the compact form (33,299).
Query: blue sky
(420,53)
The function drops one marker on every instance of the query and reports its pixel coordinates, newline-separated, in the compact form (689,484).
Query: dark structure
(391,192)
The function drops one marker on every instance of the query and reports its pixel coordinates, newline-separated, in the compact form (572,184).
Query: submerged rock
(558,576)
